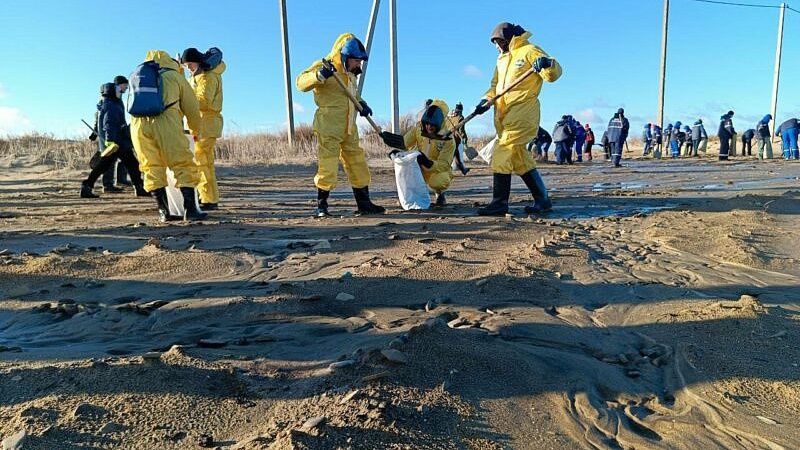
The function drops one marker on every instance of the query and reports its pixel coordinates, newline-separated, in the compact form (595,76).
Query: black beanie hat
(119,79)
(193,55)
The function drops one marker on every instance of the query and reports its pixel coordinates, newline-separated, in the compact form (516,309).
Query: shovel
(492,101)
(390,139)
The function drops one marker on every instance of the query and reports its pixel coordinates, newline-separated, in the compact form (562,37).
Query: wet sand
(655,307)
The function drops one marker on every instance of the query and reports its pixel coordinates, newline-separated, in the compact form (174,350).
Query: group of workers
(568,136)
(516,121)
(155,142)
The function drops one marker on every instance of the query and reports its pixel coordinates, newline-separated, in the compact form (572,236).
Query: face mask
(119,91)
(356,71)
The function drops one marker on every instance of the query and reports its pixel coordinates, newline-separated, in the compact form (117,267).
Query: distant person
(455,117)
(562,136)
(764,138)
(647,138)
(206,80)
(159,140)
(618,128)
(747,142)
(606,146)
(674,140)
(118,169)
(699,137)
(541,144)
(687,141)
(436,153)
(580,139)
(587,147)
(657,141)
(115,138)
(725,132)
(788,132)
(571,140)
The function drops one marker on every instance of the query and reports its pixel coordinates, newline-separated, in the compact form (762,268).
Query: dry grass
(242,149)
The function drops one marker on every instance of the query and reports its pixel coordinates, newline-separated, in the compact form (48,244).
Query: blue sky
(57,53)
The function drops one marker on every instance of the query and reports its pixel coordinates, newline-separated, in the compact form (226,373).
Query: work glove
(93,136)
(482,107)
(111,148)
(424,161)
(365,109)
(541,63)
(324,73)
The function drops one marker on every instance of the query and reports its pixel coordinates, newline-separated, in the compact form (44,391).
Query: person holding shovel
(335,126)
(516,115)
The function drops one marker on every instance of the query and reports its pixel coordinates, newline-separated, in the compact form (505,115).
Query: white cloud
(587,115)
(298,108)
(472,71)
(13,121)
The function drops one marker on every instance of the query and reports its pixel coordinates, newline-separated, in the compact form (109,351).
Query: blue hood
(677,125)
(766,118)
(353,48)
(698,122)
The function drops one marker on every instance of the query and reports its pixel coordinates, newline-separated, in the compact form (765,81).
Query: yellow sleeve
(444,161)
(550,74)
(204,89)
(190,107)
(493,89)
(410,138)
(308,80)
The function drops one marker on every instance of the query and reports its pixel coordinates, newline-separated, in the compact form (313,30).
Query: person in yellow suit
(516,118)
(207,84)
(335,124)
(436,152)
(160,143)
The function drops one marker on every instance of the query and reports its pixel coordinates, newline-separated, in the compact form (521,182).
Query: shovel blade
(393,140)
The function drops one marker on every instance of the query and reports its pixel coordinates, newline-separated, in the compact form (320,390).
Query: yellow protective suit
(335,123)
(516,116)
(439,176)
(208,90)
(159,141)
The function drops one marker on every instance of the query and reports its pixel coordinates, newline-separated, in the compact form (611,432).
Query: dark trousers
(616,152)
(126,156)
(747,147)
(724,147)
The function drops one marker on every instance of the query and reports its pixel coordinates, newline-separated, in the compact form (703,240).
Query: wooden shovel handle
(350,95)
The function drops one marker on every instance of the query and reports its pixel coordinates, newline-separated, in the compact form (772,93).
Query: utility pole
(663,73)
(777,75)
(373,16)
(287,73)
(393,62)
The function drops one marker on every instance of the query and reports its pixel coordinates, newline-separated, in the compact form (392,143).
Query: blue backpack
(212,58)
(148,90)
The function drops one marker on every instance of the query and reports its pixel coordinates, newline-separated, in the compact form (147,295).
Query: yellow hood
(519,41)
(442,105)
(220,69)
(163,59)
(335,54)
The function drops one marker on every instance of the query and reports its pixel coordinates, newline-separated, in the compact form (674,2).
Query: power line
(751,5)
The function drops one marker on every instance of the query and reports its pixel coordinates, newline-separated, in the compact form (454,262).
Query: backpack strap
(161,70)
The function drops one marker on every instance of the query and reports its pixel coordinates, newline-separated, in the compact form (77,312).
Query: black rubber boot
(501,190)
(112,190)
(441,201)
(365,205)
(209,206)
(191,212)
(163,206)
(322,203)
(138,189)
(541,201)
(86,191)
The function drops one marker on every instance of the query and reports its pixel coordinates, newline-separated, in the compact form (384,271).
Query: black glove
(424,161)
(324,73)
(542,62)
(482,107)
(365,109)
(93,136)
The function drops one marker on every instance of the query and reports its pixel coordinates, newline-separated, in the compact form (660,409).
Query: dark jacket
(580,133)
(675,133)
(657,134)
(562,132)
(788,125)
(726,130)
(762,128)
(647,134)
(112,124)
(604,139)
(749,135)
(543,137)
(616,128)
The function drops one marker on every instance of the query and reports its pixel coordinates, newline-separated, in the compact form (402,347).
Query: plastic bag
(174,196)
(411,187)
(462,157)
(486,152)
